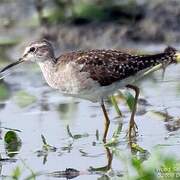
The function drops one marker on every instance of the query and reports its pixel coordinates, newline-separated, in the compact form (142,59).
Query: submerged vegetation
(139,165)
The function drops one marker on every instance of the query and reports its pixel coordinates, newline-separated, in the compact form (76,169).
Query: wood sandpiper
(94,74)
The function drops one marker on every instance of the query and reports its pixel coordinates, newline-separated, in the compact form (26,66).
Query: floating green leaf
(12,143)
(16,173)
(4,91)
(46,146)
(76,136)
(98,169)
(24,99)
(11,137)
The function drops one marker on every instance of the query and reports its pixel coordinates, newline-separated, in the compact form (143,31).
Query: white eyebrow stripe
(26,50)
(36,45)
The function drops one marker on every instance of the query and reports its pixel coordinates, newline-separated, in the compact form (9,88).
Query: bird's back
(108,66)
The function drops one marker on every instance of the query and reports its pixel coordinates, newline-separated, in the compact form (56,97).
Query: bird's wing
(105,66)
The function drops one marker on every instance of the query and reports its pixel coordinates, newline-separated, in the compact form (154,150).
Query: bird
(94,74)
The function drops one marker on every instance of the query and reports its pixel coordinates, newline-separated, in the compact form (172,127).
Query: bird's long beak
(5,69)
(11,65)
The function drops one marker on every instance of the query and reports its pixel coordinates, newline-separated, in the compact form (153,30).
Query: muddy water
(50,113)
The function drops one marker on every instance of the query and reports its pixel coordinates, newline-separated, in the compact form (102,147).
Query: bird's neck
(46,66)
(48,69)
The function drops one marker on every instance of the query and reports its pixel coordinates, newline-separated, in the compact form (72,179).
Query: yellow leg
(107,121)
(132,125)
(109,158)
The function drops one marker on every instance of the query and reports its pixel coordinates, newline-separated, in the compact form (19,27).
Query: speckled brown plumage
(108,66)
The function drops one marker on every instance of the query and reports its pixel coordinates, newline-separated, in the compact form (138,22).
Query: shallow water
(50,114)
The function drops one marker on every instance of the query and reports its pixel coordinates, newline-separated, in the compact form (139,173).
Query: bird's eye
(32,49)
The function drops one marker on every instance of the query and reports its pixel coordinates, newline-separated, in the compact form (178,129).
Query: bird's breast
(68,78)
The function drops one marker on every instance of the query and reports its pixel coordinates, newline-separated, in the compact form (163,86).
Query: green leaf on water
(43,139)
(69,132)
(11,137)
(24,99)
(46,146)
(16,173)
(129,99)
(4,91)
(76,136)
(98,169)
(12,143)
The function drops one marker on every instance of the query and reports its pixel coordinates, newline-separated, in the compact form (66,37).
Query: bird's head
(38,51)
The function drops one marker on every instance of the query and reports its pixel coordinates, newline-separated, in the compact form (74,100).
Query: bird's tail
(151,63)
(176,54)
